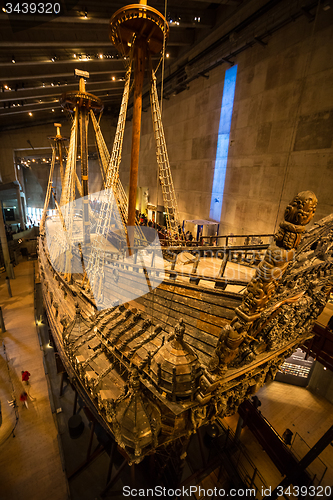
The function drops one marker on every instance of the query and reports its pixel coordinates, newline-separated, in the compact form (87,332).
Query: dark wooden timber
(140,57)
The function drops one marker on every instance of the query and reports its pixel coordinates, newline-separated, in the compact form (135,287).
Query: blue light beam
(223,143)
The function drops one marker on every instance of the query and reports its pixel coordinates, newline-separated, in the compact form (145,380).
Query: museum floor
(34,463)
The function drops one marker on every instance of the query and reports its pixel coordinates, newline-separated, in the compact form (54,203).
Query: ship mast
(81,102)
(58,139)
(137,31)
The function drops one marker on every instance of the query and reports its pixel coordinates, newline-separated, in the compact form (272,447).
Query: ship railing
(221,240)
(317,469)
(244,255)
(115,261)
(195,270)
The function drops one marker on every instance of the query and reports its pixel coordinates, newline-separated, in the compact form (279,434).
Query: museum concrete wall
(281,132)
(321,382)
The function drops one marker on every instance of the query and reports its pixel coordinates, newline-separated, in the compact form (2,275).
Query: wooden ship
(180,354)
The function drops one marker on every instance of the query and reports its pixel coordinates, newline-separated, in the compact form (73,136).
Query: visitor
(25,376)
(287,436)
(24,399)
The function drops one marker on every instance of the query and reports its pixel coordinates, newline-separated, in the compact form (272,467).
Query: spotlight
(13,60)
(167,55)
(30,114)
(101,56)
(52,110)
(113,78)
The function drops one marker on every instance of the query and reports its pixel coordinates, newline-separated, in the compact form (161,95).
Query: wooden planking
(218,297)
(164,314)
(214,310)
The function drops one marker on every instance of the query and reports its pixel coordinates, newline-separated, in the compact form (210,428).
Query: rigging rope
(95,268)
(48,191)
(165,177)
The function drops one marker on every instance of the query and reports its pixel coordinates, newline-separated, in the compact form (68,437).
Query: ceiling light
(52,110)
(43,84)
(33,158)
(6,87)
(74,55)
(113,78)
(52,59)
(13,60)
(167,54)
(30,114)
(101,56)
(52,84)
(3,9)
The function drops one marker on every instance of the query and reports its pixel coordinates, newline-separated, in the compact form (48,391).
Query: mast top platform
(138,23)
(81,98)
(58,137)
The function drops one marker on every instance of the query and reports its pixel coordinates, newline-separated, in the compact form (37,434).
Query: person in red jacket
(25,376)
